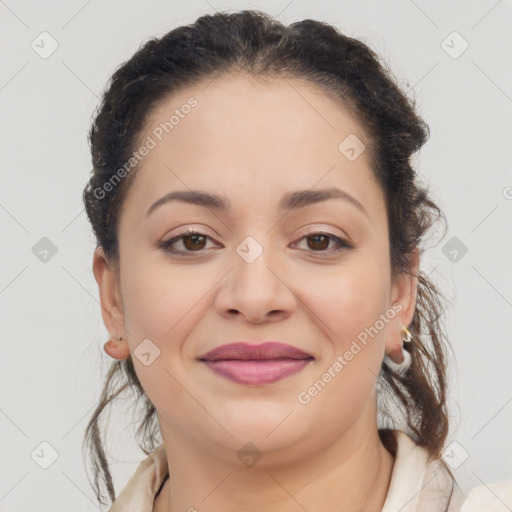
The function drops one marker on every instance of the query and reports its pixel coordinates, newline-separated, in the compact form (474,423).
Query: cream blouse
(416,486)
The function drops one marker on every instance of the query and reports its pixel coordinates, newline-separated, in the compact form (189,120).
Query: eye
(192,241)
(319,241)
(195,241)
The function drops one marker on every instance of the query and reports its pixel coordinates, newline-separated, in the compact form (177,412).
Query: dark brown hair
(254,43)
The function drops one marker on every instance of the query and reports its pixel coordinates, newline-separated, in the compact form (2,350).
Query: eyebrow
(290,201)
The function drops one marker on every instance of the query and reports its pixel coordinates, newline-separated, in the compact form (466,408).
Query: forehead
(276,112)
(251,136)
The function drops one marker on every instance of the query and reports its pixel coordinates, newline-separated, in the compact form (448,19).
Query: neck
(353,473)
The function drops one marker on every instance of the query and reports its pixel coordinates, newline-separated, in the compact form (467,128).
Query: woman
(259,225)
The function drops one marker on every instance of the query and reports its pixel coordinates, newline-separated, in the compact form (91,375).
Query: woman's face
(256,272)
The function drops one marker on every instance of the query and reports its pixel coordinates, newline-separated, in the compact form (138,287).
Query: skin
(253,141)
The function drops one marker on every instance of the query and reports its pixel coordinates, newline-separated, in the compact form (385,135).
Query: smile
(257,372)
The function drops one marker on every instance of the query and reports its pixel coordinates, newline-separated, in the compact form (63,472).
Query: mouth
(256,364)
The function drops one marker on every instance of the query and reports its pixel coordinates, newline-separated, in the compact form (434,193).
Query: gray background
(52,366)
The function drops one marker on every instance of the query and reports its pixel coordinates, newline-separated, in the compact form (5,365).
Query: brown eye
(192,242)
(319,242)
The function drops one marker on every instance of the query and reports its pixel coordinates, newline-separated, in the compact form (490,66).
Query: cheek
(161,306)
(348,305)
(158,297)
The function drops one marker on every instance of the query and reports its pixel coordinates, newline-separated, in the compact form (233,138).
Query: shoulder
(418,485)
(139,493)
(493,497)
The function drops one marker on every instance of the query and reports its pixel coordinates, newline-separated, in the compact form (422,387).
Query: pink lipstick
(256,364)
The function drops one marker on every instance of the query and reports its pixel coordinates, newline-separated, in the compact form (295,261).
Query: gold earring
(406,335)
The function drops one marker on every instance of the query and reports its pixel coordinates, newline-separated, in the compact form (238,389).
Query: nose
(256,289)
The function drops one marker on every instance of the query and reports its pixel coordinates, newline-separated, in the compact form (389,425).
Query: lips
(263,352)
(256,364)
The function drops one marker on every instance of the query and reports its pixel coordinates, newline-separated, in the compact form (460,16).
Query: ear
(404,291)
(107,277)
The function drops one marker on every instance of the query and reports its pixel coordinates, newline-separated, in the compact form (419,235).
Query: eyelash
(167,245)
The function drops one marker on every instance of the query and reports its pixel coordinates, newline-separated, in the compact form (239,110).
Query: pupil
(193,244)
(316,237)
